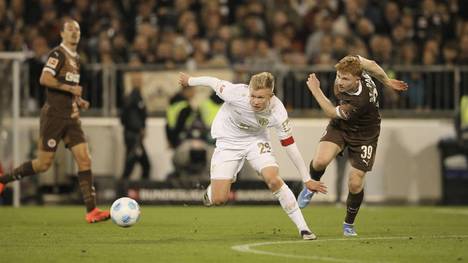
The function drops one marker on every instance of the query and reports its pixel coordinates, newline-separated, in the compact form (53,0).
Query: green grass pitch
(235,234)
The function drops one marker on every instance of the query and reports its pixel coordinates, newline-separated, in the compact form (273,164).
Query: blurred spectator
(381,49)
(237,51)
(463,56)
(391,19)
(36,63)
(188,133)
(263,57)
(189,33)
(139,27)
(450,53)
(415,96)
(323,25)
(133,118)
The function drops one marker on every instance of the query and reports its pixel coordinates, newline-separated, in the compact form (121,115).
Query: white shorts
(226,163)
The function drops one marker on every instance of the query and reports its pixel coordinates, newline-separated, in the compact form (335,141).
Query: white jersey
(241,133)
(236,123)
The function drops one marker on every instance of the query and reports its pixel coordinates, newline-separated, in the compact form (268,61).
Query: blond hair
(264,80)
(350,64)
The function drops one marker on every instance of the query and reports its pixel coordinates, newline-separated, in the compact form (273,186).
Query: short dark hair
(65,21)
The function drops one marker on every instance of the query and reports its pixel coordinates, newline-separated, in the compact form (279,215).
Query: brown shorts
(54,129)
(362,146)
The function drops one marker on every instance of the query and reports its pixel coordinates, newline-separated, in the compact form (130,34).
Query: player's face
(71,33)
(260,98)
(346,81)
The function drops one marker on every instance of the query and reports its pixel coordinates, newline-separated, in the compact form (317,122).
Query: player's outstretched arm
(183,79)
(316,186)
(296,158)
(377,72)
(186,80)
(314,86)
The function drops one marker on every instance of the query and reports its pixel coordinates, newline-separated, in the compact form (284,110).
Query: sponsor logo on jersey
(52,62)
(72,77)
(243,126)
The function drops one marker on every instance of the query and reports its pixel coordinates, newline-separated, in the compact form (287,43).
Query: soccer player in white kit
(240,130)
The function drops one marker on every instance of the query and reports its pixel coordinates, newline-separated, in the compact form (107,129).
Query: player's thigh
(271,177)
(51,131)
(74,134)
(220,189)
(325,153)
(362,154)
(330,145)
(43,161)
(226,164)
(260,155)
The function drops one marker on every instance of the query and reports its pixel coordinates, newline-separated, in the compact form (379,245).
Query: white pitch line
(452,211)
(248,248)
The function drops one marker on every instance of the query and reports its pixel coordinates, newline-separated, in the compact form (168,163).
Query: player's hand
(75,90)
(313,83)
(316,186)
(75,111)
(397,85)
(82,103)
(183,79)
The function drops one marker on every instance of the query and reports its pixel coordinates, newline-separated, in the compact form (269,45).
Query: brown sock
(26,169)
(353,203)
(85,178)
(316,175)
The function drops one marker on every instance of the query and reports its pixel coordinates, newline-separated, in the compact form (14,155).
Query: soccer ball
(125,212)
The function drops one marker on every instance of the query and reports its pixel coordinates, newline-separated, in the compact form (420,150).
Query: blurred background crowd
(251,32)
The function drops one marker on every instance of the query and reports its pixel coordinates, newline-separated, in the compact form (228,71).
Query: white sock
(208,192)
(289,204)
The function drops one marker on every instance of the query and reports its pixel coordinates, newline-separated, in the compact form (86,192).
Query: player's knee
(320,163)
(274,184)
(355,186)
(43,165)
(84,162)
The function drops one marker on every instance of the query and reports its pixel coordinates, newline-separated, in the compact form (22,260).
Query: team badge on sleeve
(52,62)
(285,126)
